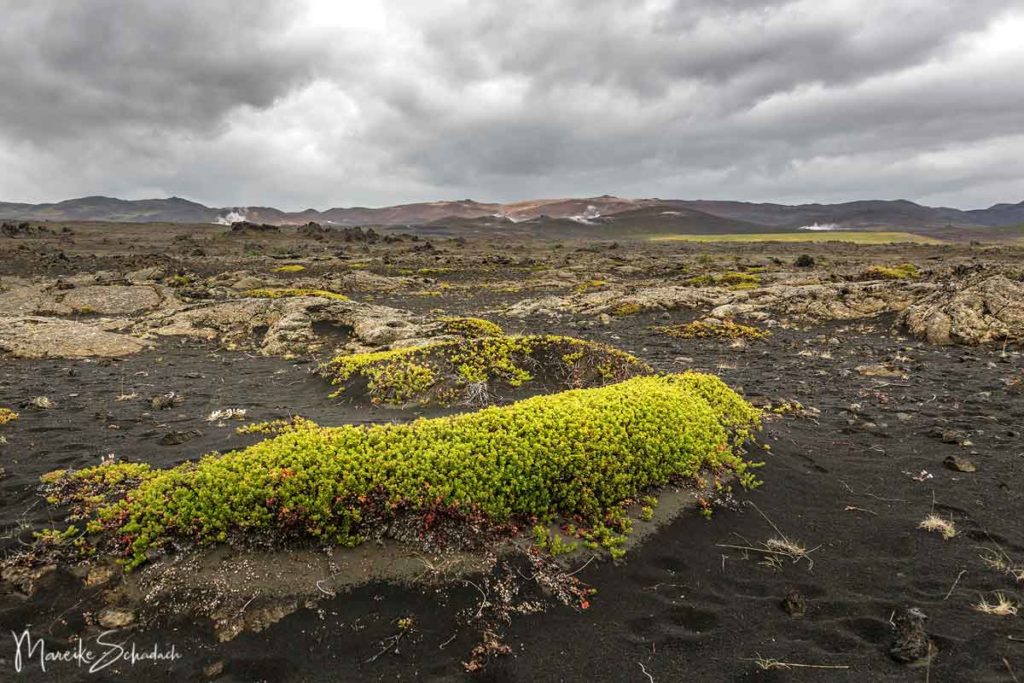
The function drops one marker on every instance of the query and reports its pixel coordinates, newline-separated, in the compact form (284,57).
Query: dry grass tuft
(1001,607)
(777,547)
(784,546)
(997,559)
(770,664)
(938,525)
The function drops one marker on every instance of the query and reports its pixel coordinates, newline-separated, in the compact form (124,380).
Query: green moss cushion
(579,452)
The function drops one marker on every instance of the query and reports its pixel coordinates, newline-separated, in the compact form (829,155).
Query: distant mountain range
(602,214)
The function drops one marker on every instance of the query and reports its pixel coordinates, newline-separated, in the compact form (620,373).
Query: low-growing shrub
(726,329)
(552,542)
(580,453)
(471,327)
(906,271)
(472,370)
(282,292)
(88,489)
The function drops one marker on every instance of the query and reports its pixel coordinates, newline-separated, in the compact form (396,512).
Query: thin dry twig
(574,573)
(651,678)
(953,587)
(391,642)
(1010,669)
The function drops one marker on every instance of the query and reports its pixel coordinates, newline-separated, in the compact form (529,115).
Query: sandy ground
(851,477)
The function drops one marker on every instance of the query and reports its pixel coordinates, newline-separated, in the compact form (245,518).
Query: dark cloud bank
(326,104)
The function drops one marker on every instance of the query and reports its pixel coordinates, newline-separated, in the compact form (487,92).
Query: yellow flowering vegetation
(581,453)
(7,415)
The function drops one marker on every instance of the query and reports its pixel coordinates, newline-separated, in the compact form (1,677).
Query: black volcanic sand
(679,604)
(852,482)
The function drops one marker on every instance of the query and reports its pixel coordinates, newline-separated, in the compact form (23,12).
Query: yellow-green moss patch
(731,279)
(905,271)
(580,453)
(473,370)
(726,329)
(471,327)
(589,285)
(281,292)
(290,268)
(628,308)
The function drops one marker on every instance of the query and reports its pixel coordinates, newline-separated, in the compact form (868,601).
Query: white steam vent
(820,227)
(232,217)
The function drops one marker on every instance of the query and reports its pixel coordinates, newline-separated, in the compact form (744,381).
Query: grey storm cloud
(69,67)
(321,104)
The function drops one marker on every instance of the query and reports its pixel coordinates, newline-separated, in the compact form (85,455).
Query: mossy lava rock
(479,371)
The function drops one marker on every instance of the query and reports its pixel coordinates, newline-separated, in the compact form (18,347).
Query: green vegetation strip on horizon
(856,237)
(582,453)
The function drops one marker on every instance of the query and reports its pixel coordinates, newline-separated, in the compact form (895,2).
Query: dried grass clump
(1001,606)
(998,560)
(939,525)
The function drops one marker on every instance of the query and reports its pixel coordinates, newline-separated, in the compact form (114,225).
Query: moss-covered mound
(581,453)
(477,370)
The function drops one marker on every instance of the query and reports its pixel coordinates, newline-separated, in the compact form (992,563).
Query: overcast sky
(326,103)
